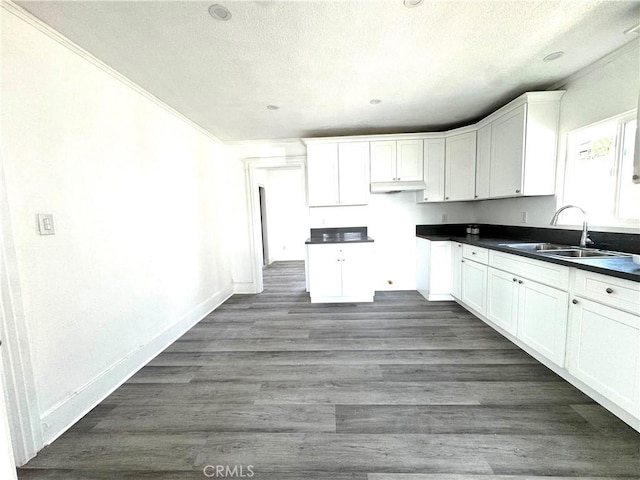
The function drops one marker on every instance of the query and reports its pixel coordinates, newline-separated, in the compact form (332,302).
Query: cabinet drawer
(556,276)
(612,291)
(477,254)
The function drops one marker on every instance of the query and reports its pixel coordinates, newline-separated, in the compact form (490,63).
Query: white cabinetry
(474,278)
(460,167)
(456,269)
(433,171)
(483,162)
(522,146)
(397,161)
(604,342)
(526,308)
(338,173)
(502,300)
(542,319)
(433,269)
(340,272)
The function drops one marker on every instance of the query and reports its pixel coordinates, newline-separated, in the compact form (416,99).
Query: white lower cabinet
(533,312)
(433,274)
(542,319)
(604,342)
(502,300)
(474,285)
(456,269)
(340,272)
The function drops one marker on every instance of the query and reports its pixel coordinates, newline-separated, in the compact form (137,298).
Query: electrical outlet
(524,217)
(45,224)
(444,218)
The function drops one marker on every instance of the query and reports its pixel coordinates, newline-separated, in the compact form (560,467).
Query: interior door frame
(255,229)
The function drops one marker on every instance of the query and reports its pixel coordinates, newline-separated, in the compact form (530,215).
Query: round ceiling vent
(219,12)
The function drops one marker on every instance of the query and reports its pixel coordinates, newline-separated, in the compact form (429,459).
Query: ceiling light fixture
(413,3)
(552,56)
(219,12)
(272,107)
(375,101)
(634,29)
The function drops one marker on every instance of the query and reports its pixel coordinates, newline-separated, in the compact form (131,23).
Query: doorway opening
(263,225)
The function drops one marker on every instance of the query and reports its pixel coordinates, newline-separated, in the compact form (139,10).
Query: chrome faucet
(584,239)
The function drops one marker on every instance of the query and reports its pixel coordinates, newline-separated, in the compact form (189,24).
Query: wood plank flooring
(400,389)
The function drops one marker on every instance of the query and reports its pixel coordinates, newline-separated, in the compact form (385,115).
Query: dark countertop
(621,267)
(321,236)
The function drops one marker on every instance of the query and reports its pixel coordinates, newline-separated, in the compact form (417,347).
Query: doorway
(263,225)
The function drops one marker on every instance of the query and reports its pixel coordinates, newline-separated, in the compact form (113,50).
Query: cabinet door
(507,154)
(353,167)
(325,272)
(322,174)
(542,319)
(456,269)
(357,273)
(474,285)
(409,161)
(460,166)
(502,299)
(433,170)
(603,351)
(483,162)
(383,161)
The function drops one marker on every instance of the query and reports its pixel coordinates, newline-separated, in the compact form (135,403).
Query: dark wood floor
(400,389)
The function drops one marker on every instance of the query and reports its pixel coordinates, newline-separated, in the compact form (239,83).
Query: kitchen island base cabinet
(340,273)
(604,351)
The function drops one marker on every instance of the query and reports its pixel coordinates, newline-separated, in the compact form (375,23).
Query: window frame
(613,222)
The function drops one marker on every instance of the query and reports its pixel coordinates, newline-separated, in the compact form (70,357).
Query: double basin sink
(564,251)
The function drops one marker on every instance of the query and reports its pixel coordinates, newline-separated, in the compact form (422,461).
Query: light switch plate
(45,224)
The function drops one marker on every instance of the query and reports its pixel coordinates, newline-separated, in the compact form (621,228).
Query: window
(599,171)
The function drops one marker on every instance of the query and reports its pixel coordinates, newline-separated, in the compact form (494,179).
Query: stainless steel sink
(536,246)
(564,251)
(582,253)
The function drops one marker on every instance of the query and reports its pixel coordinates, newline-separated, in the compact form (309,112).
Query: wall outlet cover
(45,224)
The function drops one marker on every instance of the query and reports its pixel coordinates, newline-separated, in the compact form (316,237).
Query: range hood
(389,187)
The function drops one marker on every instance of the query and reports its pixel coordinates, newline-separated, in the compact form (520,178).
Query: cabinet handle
(609,290)
(398,178)
(475,196)
(461,261)
(574,301)
(425,199)
(473,253)
(517,191)
(515,279)
(446,198)
(520,282)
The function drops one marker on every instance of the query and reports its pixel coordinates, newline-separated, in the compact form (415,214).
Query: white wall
(607,88)
(391,220)
(287,217)
(138,197)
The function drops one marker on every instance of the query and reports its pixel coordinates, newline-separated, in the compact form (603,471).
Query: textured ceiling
(442,64)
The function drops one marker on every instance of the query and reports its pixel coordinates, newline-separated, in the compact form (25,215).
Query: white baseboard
(65,413)
(244,288)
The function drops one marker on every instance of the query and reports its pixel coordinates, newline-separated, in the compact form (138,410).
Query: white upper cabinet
(396,161)
(460,167)
(338,173)
(322,174)
(409,161)
(507,153)
(353,173)
(433,171)
(483,162)
(524,147)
